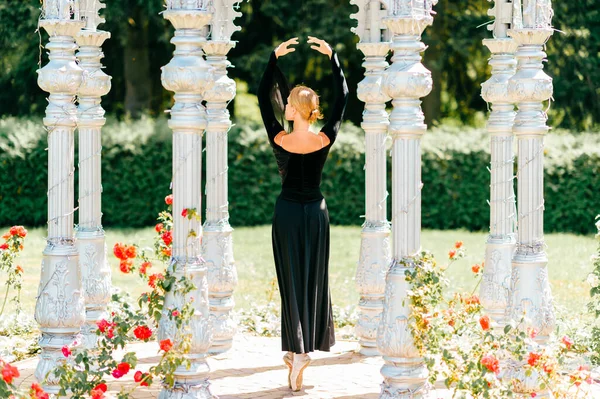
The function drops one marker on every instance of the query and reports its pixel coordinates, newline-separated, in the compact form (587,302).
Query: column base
(530,294)
(188,390)
(96,278)
(370,312)
(52,357)
(217,250)
(223,325)
(404,379)
(495,283)
(370,280)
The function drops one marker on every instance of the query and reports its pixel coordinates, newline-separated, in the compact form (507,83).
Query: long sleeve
(340,89)
(272,125)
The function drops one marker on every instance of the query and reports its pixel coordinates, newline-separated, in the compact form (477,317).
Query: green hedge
(137,166)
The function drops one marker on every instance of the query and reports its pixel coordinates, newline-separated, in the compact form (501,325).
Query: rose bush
(83,373)
(460,346)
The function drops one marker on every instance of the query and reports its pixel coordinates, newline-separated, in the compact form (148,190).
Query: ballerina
(300,230)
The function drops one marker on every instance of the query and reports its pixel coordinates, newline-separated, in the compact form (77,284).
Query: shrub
(136,174)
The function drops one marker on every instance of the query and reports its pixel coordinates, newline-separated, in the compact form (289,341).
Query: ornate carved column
(405,81)
(95,269)
(529,88)
(501,241)
(189,76)
(217,240)
(59,308)
(375,246)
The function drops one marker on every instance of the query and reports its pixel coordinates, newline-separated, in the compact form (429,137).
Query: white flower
(593,280)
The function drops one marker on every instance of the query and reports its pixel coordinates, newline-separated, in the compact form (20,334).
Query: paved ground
(254,369)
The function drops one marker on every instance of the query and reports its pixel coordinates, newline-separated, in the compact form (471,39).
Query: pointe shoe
(301,362)
(288,359)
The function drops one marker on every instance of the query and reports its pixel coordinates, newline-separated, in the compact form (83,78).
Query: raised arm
(340,90)
(264,99)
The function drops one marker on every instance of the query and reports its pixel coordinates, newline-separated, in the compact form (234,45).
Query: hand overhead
(321,46)
(283,49)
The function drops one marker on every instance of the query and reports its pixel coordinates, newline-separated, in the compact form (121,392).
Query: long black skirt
(300,238)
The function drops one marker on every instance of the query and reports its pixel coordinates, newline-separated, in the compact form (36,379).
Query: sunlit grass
(569,263)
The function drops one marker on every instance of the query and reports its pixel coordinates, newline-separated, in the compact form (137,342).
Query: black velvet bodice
(301,173)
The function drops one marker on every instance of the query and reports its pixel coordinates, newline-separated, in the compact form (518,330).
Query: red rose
(110,333)
(169,199)
(66,351)
(142,332)
(475,268)
(166,251)
(123,367)
(125,265)
(548,368)
(37,392)
(137,377)
(97,394)
(533,358)
(491,363)
(9,372)
(117,373)
(184,213)
(101,387)
(159,227)
(451,254)
(6,236)
(167,237)
(484,321)
(567,341)
(119,251)
(458,244)
(102,325)
(153,278)
(533,394)
(4,246)
(144,267)
(175,313)
(19,269)
(131,252)
(13,231)
(166,345)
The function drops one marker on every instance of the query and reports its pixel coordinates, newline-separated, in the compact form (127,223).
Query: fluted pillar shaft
(189,76)
(217,239)
(91,244)
(59,307)
(500,244)
(406,80)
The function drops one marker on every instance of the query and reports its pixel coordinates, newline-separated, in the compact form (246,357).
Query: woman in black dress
(300,232)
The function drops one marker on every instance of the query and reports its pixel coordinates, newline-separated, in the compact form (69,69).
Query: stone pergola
(75,277)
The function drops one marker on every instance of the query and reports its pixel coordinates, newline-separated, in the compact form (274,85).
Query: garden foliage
(136,175)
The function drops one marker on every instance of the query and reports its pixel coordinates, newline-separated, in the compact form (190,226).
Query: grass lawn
(569,263)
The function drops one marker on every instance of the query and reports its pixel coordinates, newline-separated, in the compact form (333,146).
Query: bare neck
(301,125)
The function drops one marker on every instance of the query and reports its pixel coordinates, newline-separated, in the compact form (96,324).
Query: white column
(375,236)
(375,245)
(59,308)
(95,268)
(501,241)
(189,76)
(217,241)
(529,88)
(405,81)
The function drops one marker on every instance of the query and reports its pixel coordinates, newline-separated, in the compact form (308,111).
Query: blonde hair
(306,102)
